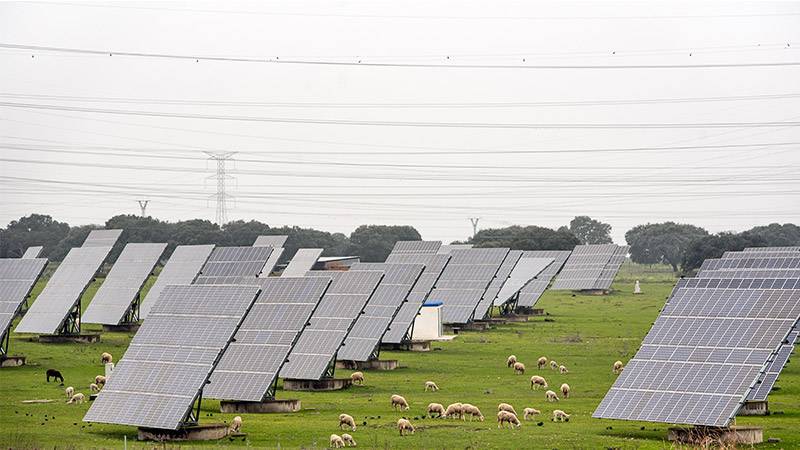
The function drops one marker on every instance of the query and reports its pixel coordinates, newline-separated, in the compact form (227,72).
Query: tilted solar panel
(49,313)
(302,262)
(269,267)
(448,248)
(274,241)
(363,341)
(484,307)
(17,277)
(182,268)
(584,267)
(229,265)
(531,292)
(168,362)
(102,238)
(526,271)
(416,247)
(768,254)
(32,252)
(772,249)
(113,300)
(249,368)
(612,267)
(774,368)
(315,351)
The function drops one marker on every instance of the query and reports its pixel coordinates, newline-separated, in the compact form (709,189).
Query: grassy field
(586,333)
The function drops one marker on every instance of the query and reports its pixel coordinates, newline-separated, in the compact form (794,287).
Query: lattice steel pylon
(221,196)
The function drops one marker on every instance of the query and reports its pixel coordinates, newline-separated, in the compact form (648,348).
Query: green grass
(586,333)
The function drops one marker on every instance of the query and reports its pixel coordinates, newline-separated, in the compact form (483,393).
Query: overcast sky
(501,110)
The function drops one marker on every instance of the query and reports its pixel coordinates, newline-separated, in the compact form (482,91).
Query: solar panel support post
(508,307)
(330,371)
(4,342)
(72,323)
(132,315)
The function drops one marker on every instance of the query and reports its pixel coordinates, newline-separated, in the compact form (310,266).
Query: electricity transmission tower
(474,221)
(221,196)
(143,206)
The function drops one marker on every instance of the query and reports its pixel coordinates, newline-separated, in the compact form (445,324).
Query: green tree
(714,245)
(662,242)
(29,231)
(373,243)
(590,231)
(241,233)
(525,238)
(777,235)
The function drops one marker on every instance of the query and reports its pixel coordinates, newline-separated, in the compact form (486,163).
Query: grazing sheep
(106,358)
(565,390)
(473,411)
(541,362)
(94,388)
(437,408)
(563,370)
(505,416)
(357,378)
(506,407)
(431,385)
(454,410)
(405,425)
(77,398)
(537,381)
(553,365)
(100,379)
(55,375)
(528,412)
(560,416)
(336,441)
(519,368)
(618,366)
(551,396)
(236,424)
(347,421)
(511,361)
(348,440)
(69,391)
(399,402)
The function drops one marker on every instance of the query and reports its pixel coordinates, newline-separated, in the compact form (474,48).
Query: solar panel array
(113,299)
(32,252)
(526,270)
(63,291)
(448,248)
(612,267)
(765,254)
(232,265)
(302,262)
(704,352)
(773,371)
(772,249)
(484,307)
(766,267)
(182,268)
(585,266)
(102,238)
(465,280)
(269,266)
(531,292)
(364,339)
(416,247)
(168,362)
(17,277)
(274,241)
(250,366)
(335,315)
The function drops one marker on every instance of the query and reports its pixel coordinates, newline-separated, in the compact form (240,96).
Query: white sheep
(94,388)
(551,396)
(553,365)
(336,441)
(560,416)
(106,358)
(618,367)
(529,412)
(565,390)
(506,407)
(77,398)
(432,386)
(347,420)
(398,401)
(357,378)
(563,370)
(541,362)
(537,381)
(348,440)
(473,411)
(519,368)
(511,360)
(454,410)
(69,391)
(510,418)
(436,408)
(100,379)
(236,424)
(405,425)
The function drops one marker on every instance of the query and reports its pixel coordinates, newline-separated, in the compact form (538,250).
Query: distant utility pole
(474,221)
(143,206)
(221,196)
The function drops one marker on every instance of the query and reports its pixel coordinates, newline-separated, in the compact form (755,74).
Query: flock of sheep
(73,397)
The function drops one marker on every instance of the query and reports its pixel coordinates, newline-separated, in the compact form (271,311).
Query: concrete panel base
(266,406)
(86,338)
(123,328)
(12,361)
(208,432)
(754,409)
(413,346)
(471,326)
(375,364)
(595,291)
(326,384)
(710,435)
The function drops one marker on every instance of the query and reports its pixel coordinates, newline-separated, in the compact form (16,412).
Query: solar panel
(313,356)
(168,362)
(399,329)
(531,292)
(704,352)
(739,268)
(232,265)
(182,268)
(32,252)
(612,267)
(102,238)
(772,249)
(484,307)
(274,257)
(585,266)
(526,270)
(363,341)
(249,368)
(448,248)
(114,301)
(274,241)
(768,254)
(773,371)
(58,300)
(416,247)
(302,262)
(464,280)
(17,277)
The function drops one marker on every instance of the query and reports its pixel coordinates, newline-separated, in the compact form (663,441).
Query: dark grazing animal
(55,375)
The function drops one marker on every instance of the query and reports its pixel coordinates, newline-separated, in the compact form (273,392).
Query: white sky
(291,173)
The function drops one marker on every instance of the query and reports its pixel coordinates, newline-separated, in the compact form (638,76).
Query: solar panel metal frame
(17,278)
(102,238)
(233,265)
(584,267)
(32,252)
(182,267)
(161,377)
(530,294)
(117,299)
(484,307)
(302,262)
(271,240)
(249,368)
(364,339)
